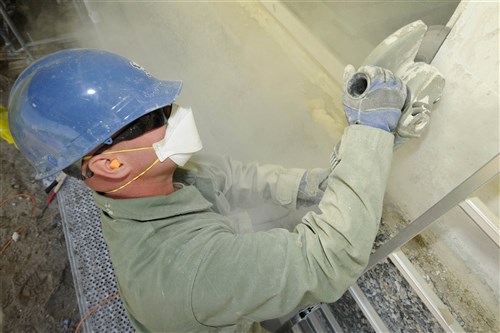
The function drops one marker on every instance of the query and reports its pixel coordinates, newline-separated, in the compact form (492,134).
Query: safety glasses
(144,124)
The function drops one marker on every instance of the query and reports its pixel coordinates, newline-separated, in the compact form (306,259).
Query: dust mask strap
(181,138)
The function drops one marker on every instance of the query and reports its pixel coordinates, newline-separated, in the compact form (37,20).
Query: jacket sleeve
(269,274)
(248,185)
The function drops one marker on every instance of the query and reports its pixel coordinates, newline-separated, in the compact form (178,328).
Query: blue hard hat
(68,103)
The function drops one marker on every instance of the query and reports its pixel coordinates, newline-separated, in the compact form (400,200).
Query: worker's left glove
(312,187)
(373,96)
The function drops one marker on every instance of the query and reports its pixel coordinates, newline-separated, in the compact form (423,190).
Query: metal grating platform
(89,258)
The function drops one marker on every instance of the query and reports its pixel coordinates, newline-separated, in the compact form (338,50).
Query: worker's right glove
(373,96)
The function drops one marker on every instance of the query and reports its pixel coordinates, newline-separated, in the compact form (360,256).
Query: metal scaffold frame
(26,46)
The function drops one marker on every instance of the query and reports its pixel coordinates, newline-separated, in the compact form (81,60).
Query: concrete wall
(350,30)
(463,136)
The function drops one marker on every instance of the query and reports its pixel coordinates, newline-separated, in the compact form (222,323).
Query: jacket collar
(183,201)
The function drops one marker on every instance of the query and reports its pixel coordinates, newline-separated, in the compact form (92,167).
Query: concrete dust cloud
(254,97)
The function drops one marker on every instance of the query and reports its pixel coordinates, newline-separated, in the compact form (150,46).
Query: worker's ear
(108,167)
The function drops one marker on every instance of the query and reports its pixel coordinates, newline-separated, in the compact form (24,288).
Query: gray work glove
(314,181)
(373,96)
(312,187)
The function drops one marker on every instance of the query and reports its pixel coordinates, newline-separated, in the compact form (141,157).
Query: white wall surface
(463,136)
(464,131)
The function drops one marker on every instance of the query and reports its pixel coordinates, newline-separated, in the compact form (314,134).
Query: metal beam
(468,186)
(14,30)
(438,309)
(315,323)
(331,318)
(368,310)
(483,217)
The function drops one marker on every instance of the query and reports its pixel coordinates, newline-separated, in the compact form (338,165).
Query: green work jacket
(181,266)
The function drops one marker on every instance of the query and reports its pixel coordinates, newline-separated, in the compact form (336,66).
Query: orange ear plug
(114,164)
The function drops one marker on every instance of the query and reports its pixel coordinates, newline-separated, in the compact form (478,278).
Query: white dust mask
(181,138)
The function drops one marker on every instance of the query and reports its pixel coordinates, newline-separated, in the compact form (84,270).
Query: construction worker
(181,263)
